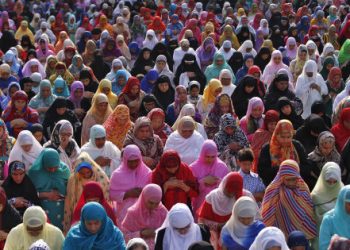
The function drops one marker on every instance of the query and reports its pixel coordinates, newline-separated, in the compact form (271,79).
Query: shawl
(74,69)
(60,41)
(317,156)
(334,86)
(227,50)
(206,52)
(148,82)
(269,236)
(123,47)
(221,204)
(324,195)
(291,54)
(107,237)
(252,123)
(165,98)
(139,217)
(12,59)
(241,234)
(121,78)
(289,209)
(93,111)
(150,43)
(340,132)
(123,178)
(344,55)
(116,64)
(116,131)
(247,45)
(180,216)
(92,190)
(25,137)
(39,101)
(279,153)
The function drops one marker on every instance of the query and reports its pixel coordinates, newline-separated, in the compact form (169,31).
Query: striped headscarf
(286,208)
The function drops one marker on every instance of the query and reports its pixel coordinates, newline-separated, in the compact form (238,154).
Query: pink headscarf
(124,179)
(272,68)
(146,218)
(26,71)
(291,54)
(252,104)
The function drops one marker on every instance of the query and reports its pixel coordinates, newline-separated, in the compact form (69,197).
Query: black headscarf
(147,99)
(92,86)
(161,49)
(259,61)
(319,108)
(27,43)
(164,98)
(193,67)
(240,98)
(295,119)
(141,63)
(24,80)
(99,67)
(7,41)
(245,34)
(37,127)
(201,245)
(172,45)
(236,61)
(25,189)
(276,37)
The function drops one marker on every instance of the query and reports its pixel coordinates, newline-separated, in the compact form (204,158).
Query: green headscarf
(344,53)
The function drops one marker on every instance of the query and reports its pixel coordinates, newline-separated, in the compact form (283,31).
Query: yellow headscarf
(112,98)
(208,95)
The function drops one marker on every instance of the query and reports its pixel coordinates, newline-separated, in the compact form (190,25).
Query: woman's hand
(133,193)
(210,180)
(148,233)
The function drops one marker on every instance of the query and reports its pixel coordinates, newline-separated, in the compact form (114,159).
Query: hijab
(340,132)
(269,237)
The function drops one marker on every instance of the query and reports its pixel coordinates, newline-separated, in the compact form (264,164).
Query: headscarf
(220,203)
(269,237)
(340,132)
(116,132)
(291,54)
(11,57)
(107,237)
(278,153)
(140,217)
(25,137)
(150,43)
(75,86)
(123,178)
(208,95)
(344,55)
(179,216)
(112,98)
(92,190)
(241,234)
(252,123)
(62,84)
(289,209)
(298,239)
(272,68)
(213,70)
(136,242)
(27,72)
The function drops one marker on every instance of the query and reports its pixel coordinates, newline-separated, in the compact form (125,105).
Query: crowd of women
(175,124)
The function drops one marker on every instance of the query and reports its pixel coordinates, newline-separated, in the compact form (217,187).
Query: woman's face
(61,111)
(286,110)
(291,182)
(285,138)
(100,142)
(157,122)
(121,81)
(282,85)
(34,68)
(20,104)
(248,89)
(135,90)
(336,78)
(271,126)
(146,55)
(38,136)
(249,62)
(151,205)
(143,133)
(161,65)
(331,181)
(5,75)
(209,159)
(327,147)
(311,51)
(106,90)
(133,164)
(149,105)
(163,87)
(217,92)
(18,176)
(34,231)
(85,173)
(257,112)
(79,62)
(182,94)
(27,147)
(219,61)
(102,107)
(93,226)
(85,81)
(224,108)
(277,59)
(78,93)
(187,133)
(183,231)
(246,220)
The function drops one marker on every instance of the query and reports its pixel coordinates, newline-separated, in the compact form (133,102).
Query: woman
(77,102)
(19,189)
(110,51)
(143,62)
(334,221)
(164,91)
(289,189)
(254,118)
(325,193)
(206,52)
(273,66)
(341,130)
(150,144)
(105,87)
(179,230)
(33,228)
(56,112)
(121,78)
(77,66)
(145,216)
(18,116)
(128,180)
(149,80)
(185,140)
(296,66)
(6,142)
(162,66)
(248,62)
(216,209)
(175,178)
(97,114)
(49,176)
(297,239)
(32,66)
(26,149)
(229,140)
(228,34)
(92,191)
(60,87)
(160,128)
(42,100)
(103,152)
(89,52)
(206,103)
(62,141)
(246,89)
(335,85)
(213,70)
(270,238)
(10,217)
(242,228)
(223,105)
(90,85)
(313,82)
(288,111)
(325,151)
(209,170)
(281,147)
(174,109)
(95,230)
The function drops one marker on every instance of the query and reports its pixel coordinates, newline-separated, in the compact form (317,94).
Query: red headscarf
(256,21)
(157,25)
(340,132)
(86,24)
(92,190)
(332,73)
(132,81)
(313,28)
(345,31)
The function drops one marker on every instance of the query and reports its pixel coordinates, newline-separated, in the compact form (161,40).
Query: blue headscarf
(298,239)
(134,49)
(11,57)
(5,100)
(60,83)
(244,70)
(108,236)
(117,88)
(146,86)
(97,131)
(82,43)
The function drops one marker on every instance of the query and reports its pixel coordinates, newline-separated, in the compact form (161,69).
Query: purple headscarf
(76,101)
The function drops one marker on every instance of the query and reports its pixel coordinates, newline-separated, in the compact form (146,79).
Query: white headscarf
(227,44)
(269,237)
(25,137)
(180,216)
(247,44)
(150,43)
(244,207)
